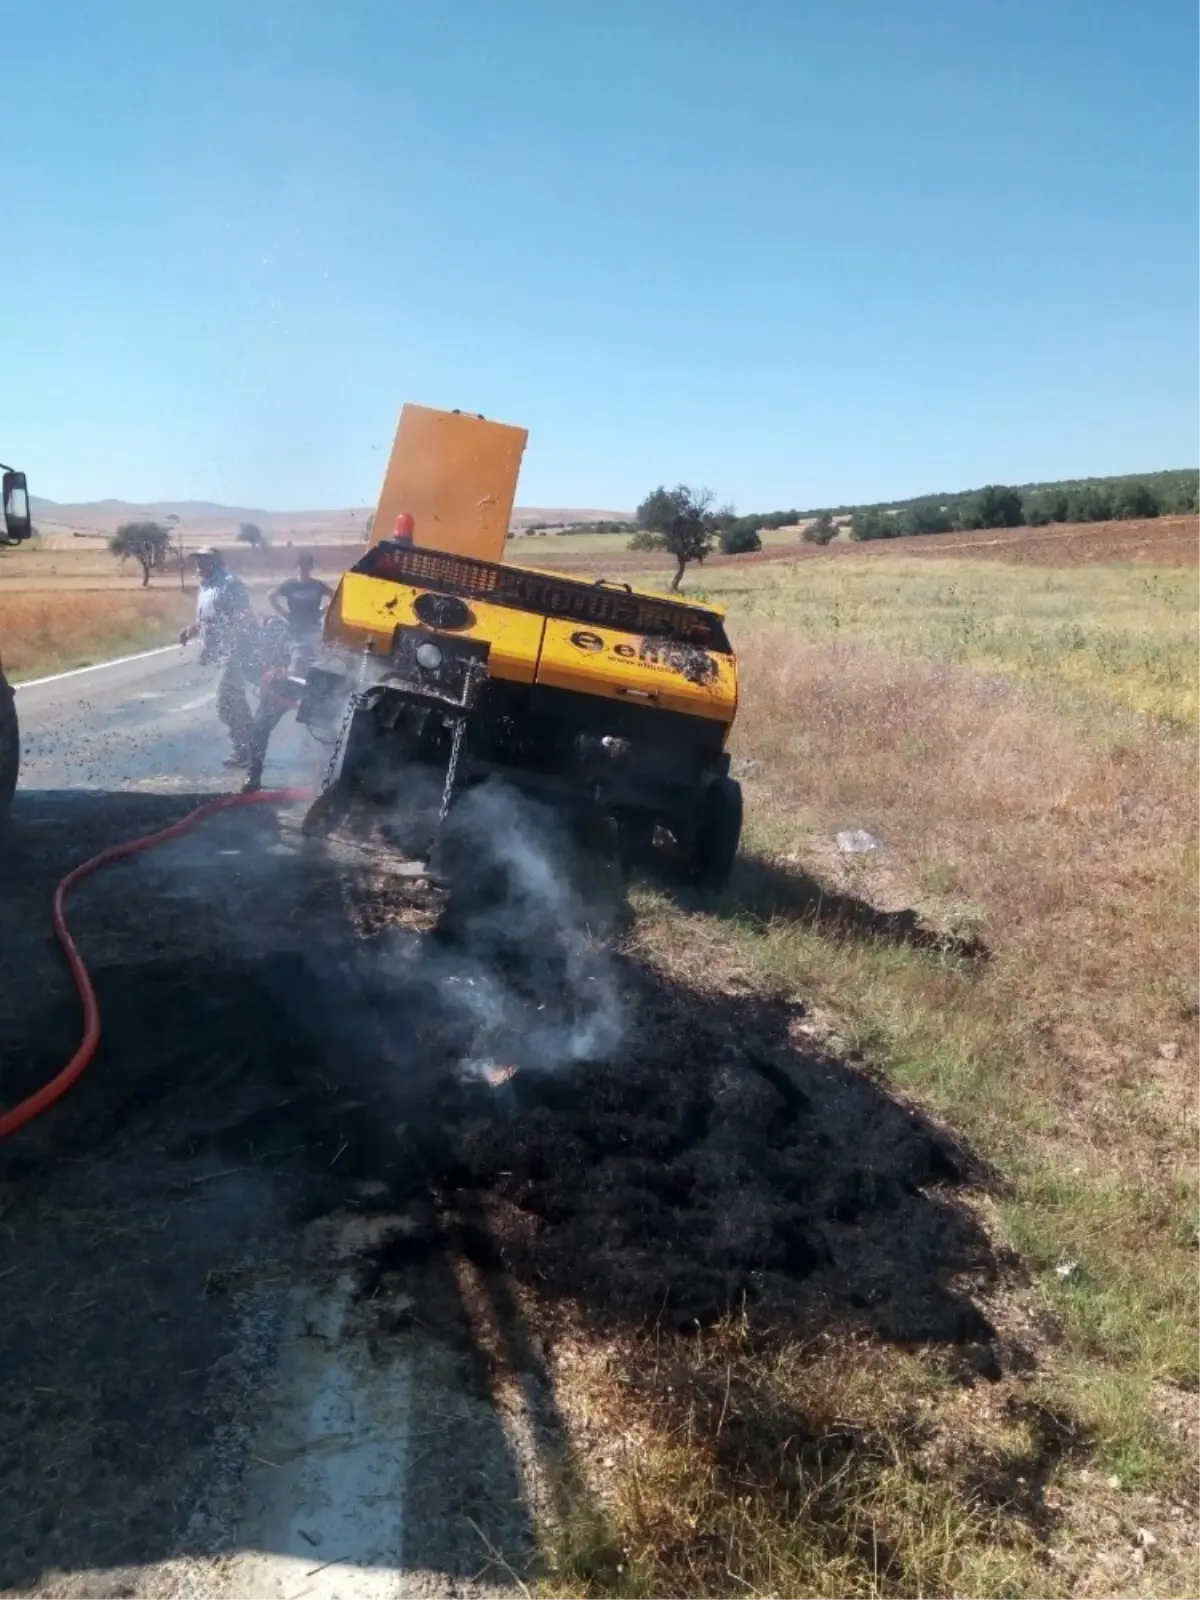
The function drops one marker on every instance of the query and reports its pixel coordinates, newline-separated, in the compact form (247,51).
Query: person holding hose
(225,626)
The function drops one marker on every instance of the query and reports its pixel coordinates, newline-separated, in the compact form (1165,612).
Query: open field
(866,1265)
(67,609)
(1102,636)
(524,546)
(90,566)
(1162,541)
(1020,960)
(51,631)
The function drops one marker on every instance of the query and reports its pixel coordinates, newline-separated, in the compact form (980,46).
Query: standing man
(225,626)
(286,657)
(299,601)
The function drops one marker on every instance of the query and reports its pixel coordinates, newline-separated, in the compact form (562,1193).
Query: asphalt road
(206,1409)
(146,723)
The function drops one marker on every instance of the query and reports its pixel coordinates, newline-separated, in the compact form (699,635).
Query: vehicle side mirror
(18,521)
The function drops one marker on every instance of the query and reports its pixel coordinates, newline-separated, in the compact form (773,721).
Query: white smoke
(518,973)
(533,972)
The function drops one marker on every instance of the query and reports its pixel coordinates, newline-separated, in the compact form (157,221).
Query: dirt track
(279,1186)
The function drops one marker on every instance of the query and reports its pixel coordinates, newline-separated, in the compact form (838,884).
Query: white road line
(194,705)
(96,666)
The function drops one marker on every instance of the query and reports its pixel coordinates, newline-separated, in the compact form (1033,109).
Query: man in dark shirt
(286,655)
(299,600)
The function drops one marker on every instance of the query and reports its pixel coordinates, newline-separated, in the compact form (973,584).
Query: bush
(999,507)
(1092,503)
(1052,505)
(926,516)
(1136,500)
(872,523)
(738,540)
(820,530)
(643,539)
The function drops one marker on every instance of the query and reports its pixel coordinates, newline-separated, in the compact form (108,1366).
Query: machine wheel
(718,830)
(10,744)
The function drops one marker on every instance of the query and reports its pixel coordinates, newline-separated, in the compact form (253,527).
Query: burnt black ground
(264,1064)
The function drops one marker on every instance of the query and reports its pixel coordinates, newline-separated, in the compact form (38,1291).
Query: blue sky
(799,251)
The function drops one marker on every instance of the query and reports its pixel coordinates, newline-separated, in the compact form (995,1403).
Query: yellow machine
(438,655)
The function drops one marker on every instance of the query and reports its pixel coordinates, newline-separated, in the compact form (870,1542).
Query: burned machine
(443,663)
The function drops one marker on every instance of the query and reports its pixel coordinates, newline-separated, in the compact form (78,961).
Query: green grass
(1055,818)
(1122,635)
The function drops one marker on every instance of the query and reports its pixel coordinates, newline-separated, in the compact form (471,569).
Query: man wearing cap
(286,655)
(225,627)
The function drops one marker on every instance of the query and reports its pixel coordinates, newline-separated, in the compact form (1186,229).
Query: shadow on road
(267,1071)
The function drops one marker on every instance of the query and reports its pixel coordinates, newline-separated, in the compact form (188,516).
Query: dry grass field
(63,609)
(53,630)
(1018,963)
(1014,718)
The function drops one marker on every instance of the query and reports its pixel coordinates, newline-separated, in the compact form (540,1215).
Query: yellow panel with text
(641,671)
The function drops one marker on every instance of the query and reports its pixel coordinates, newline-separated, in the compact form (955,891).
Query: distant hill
(206,520)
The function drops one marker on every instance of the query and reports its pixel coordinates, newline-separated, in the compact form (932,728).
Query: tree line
(999,505)
(574,527)
(1131,497)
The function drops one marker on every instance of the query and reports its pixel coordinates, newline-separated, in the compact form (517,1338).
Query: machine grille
(600,604)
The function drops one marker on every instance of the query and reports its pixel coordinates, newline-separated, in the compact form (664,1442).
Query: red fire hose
(44,1097)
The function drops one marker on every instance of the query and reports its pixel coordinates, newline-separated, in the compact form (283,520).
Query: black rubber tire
(10,745)
(718,833)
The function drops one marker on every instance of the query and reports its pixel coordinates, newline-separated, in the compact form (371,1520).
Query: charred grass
(686,1256)
(864,1266)
(1018,962)
(53,630)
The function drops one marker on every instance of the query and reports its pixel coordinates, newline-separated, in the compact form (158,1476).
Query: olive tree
(684,521)
(147,543)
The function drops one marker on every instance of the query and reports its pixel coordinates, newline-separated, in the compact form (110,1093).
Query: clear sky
(799,251)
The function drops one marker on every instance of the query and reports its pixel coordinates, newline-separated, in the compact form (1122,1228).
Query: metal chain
(335,754)
(460,728)
(353,704)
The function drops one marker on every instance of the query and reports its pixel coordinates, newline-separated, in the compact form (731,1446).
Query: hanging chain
(456,742)
(335,755)
(356,701)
